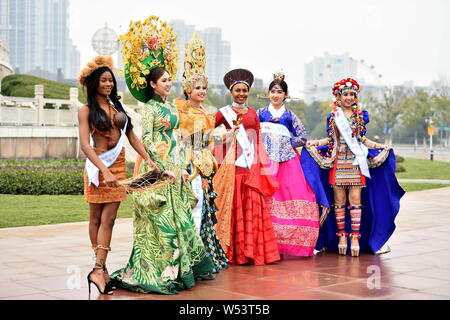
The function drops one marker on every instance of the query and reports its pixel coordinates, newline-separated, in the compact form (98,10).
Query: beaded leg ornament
(339,212)
(355,216)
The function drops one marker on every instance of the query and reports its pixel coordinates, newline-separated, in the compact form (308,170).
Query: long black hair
(154,75)
(97,116)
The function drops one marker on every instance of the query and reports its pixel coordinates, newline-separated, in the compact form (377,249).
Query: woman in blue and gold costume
(168,255)
(356,171)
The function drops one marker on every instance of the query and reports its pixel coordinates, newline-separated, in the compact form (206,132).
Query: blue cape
(380,199)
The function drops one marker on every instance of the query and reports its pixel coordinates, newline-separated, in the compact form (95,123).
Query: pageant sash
(107,157)
(359,150)
(275,128)
(247,156)
(196,185)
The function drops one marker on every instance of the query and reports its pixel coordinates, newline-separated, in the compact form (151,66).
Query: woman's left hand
(185,176)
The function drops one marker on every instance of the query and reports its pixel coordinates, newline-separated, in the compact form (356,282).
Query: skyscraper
(38,35)
(218,51)
(321,73)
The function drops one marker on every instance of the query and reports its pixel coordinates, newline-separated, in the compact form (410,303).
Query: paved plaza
(51,262)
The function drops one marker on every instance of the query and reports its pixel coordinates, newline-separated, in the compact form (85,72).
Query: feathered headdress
(236,76)
(194,64)
(94,64)
(145,46)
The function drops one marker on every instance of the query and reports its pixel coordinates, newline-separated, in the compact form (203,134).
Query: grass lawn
(424,169)
(23,210)
(413,186)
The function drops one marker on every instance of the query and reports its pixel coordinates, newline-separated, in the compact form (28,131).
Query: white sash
(275,128)
(107,157)
(247,156)
(197,213)
(359,150)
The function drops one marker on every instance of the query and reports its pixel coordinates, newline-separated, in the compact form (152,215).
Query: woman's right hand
(110,179)
(312,143)
(231,133)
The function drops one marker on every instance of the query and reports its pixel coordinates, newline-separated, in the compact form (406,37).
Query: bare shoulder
(83,110)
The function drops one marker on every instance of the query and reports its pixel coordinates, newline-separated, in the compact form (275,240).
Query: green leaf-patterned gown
(168,255)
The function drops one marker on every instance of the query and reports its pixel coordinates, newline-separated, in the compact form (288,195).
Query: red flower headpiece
(347,84)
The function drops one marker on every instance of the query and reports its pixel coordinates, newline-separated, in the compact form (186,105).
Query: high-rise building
(5,67)
(218,51)
(321,73)
(38,35)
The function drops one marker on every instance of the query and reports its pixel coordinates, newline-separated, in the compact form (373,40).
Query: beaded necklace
(357,125)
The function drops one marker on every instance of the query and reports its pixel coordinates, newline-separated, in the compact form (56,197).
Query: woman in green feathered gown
(168,255)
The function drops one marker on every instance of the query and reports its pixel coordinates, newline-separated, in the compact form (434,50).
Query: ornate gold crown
(94,64)
(194,64)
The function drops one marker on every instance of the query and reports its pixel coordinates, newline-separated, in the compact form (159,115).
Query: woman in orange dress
(244,224)
(103,125)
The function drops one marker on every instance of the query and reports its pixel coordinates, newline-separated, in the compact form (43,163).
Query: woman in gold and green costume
(168,255)
(197,126)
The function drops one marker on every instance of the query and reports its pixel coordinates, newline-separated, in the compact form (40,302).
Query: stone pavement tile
(75,294)
(53,283)
(257,288)
(418,296)
(202,293)
(361,290)
(12,289)
(37,296)
(310,294)
(434,273)
(443,290)
(310,279)
(231,275)
(260,271)
(408,281)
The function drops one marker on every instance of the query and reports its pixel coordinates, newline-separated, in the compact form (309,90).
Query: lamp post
(431,133)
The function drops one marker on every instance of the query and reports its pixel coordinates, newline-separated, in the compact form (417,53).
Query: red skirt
(252,235)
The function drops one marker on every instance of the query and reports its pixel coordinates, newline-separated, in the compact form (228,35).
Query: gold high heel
(354,248)
(342,246)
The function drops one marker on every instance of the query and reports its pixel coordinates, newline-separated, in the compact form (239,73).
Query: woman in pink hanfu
(293,208)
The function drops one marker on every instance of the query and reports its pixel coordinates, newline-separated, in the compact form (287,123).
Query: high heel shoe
(108,281)
(342,246)
(354,248)
(107,290)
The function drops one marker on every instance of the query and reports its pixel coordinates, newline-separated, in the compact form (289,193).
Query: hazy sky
(403,39)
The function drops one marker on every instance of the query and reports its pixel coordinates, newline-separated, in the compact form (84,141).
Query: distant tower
(104,41)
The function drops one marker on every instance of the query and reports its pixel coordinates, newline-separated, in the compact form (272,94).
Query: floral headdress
(358,124)
(347,84)
(145,46)
(194,64)
(94,64)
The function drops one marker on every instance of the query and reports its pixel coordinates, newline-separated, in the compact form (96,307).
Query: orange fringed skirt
(103,193)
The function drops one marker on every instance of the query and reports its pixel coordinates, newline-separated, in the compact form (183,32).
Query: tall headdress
(194,64)
(347,84)
(94,64)
(145,46)
(236,76)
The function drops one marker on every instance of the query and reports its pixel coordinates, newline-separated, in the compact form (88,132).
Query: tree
(419,112)
(387,111)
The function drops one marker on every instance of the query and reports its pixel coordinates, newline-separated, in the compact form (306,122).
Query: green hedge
(38,182)
(50,176)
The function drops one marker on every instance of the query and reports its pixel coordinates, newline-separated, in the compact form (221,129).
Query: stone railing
(39,111)
(46,128)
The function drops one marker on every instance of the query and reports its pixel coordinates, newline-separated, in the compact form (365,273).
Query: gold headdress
(145,46)
(94,64)
(194,64)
